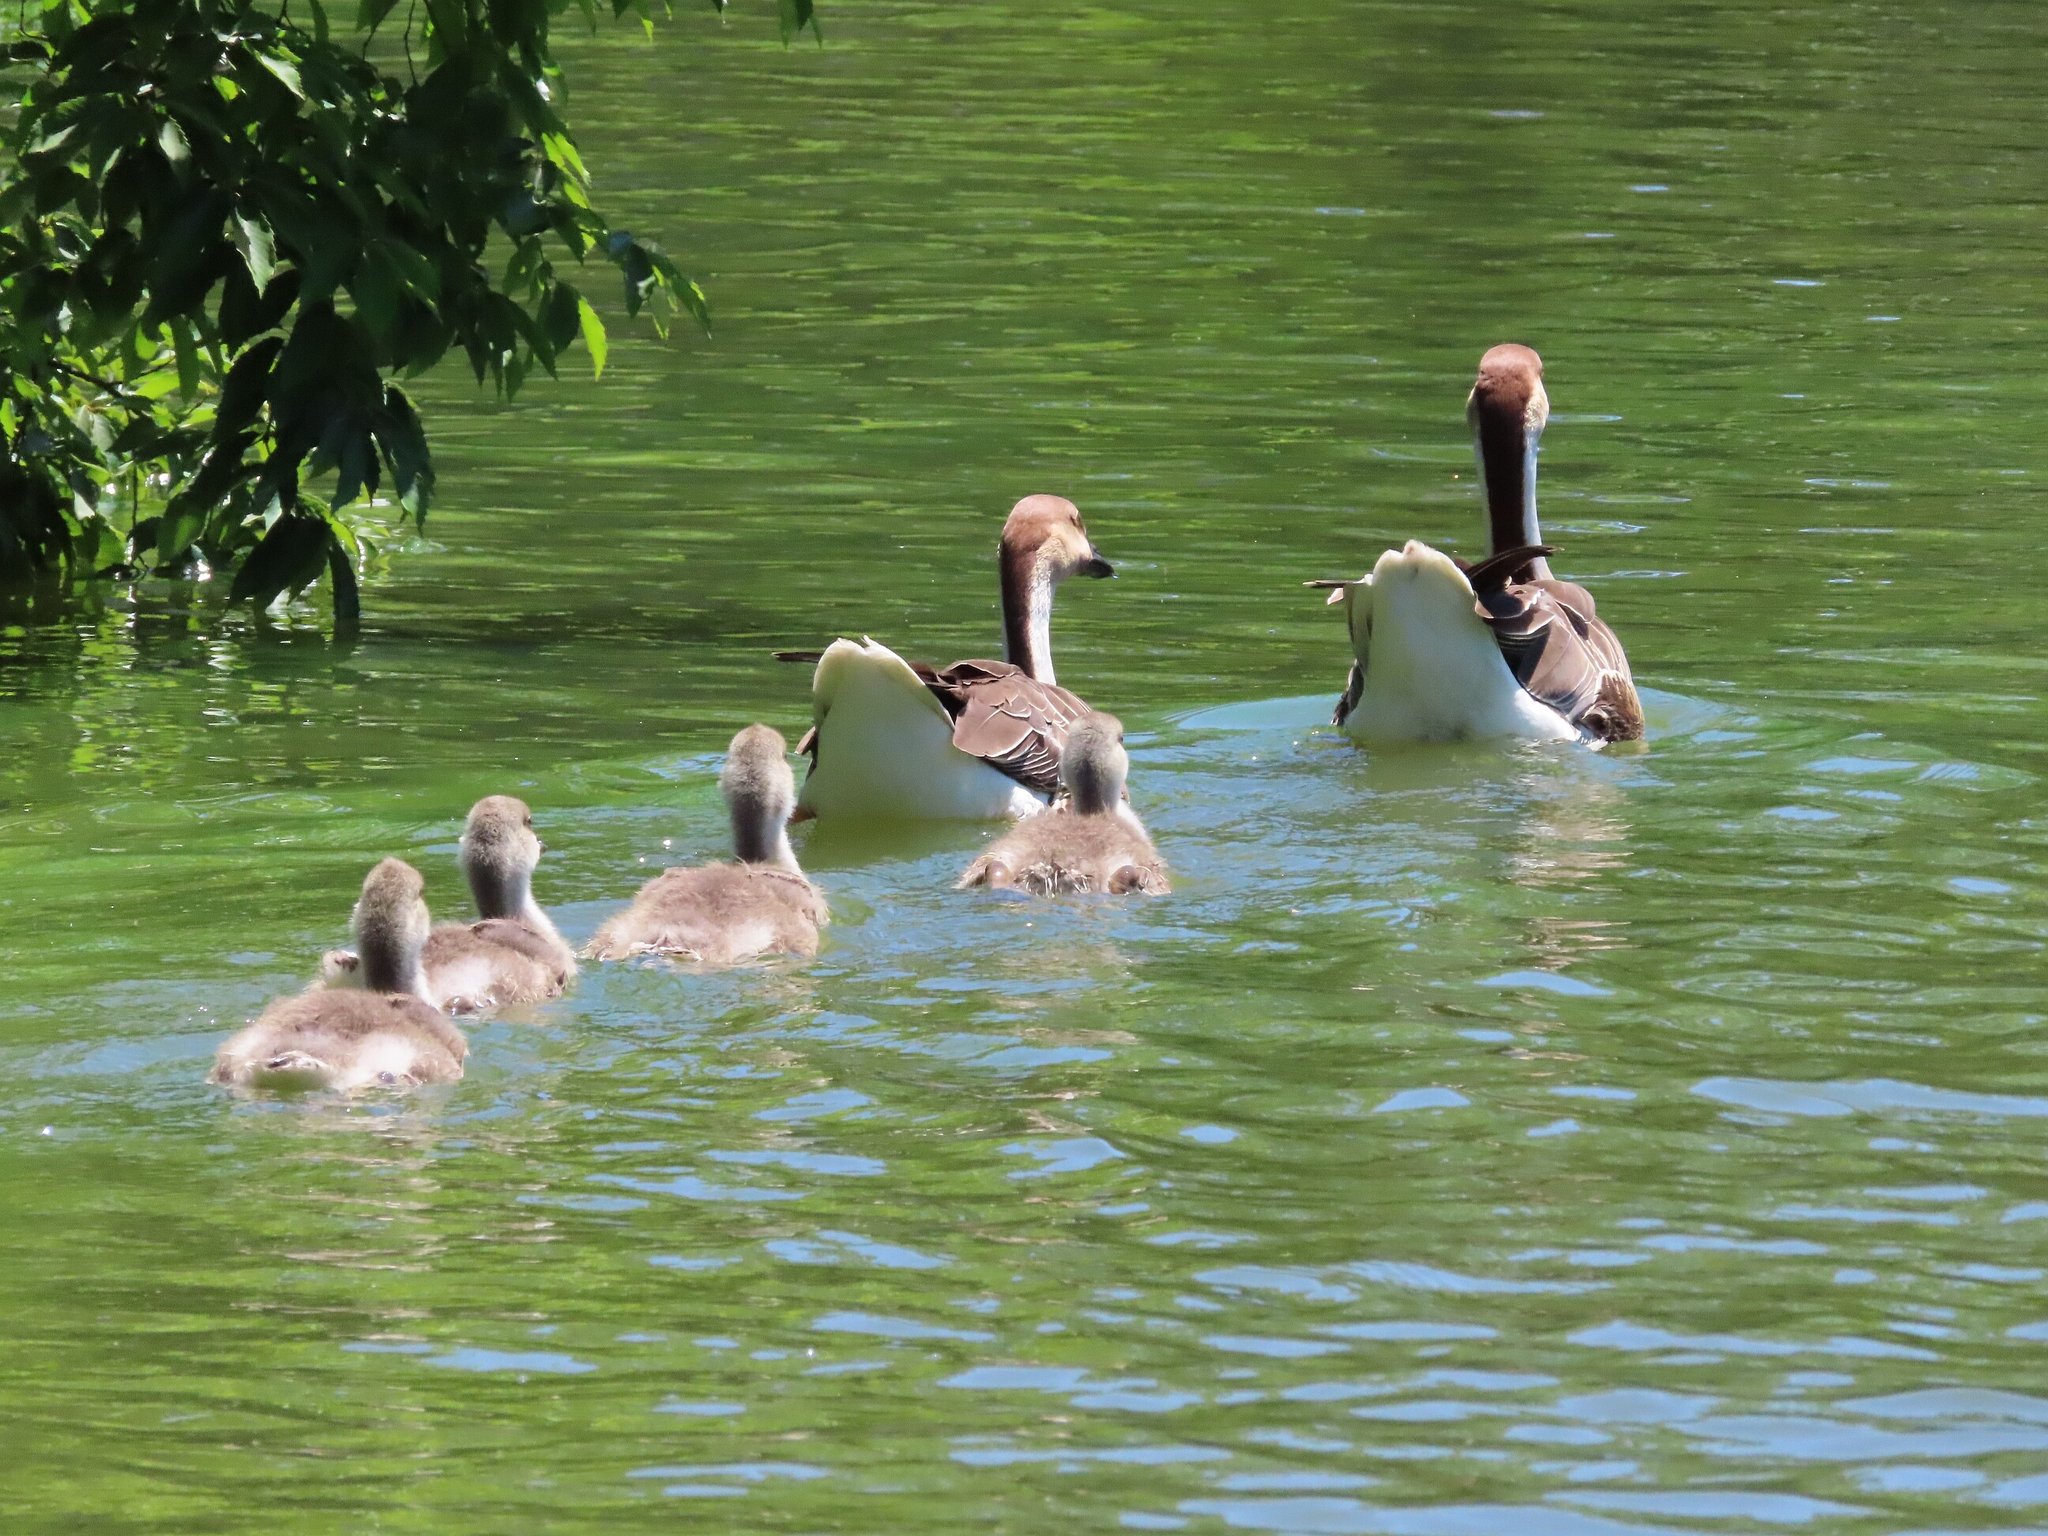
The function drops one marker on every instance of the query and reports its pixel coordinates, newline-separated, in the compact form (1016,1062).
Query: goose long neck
(389,964)
(760,836)
(499,892)
(1027,613)
(1096,794)
(1507,460)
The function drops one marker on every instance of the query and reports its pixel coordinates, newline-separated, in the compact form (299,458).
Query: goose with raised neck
(1092,841)
(726,914)
(513,953)
(1447,651)
(379,1034)
(898,740)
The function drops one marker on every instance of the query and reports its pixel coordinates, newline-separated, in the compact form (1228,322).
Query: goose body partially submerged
(1446,652)
(381,1033)
(1093,842)
(513,953)
(900,740)
(726,914)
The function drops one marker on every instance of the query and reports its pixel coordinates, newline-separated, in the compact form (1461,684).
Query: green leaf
(178,529)
(593,335)
(357,462)
(291,553)
(341,579)
(171,140)
(187,350)
(398,432)
(285,71)
(375,290)
(258,248)
(558,318)
(795,16)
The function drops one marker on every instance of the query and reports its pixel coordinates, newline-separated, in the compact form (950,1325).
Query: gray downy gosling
(513,954)
(725,914)
(1091,842)
(378,1033)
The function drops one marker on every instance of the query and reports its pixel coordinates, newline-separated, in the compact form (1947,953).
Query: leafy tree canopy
(228,231)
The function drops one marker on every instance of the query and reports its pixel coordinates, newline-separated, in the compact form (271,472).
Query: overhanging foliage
(227,233)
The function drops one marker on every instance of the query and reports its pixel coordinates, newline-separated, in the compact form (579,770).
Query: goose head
(1044,542)
(760,793)
(500,852)
(1048,531)
(1094,765)
(391,926)
(1507,411)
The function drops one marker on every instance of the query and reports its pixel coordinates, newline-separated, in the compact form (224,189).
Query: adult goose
(379,1033)
(895,739)
(1447,651)
(724,914)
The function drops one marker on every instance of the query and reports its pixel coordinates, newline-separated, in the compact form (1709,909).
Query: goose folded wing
(1563,655)
(1012,722)
(1354,690)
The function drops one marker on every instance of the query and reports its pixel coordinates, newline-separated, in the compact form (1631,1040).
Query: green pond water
(1478,1141)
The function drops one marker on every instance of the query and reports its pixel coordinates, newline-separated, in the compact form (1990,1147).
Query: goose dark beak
(1098,567)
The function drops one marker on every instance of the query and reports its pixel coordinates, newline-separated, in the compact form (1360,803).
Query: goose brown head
(1044,542)
(1509,391)
(1047,532)
(1507,411)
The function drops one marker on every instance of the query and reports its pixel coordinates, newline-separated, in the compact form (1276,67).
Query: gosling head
(499,855)
(1044,536)
(760,793)
(1093,764)
(391,925)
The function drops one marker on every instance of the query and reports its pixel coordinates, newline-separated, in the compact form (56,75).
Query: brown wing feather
(1011,721)
(1564,655)
(1354,690)
(1000,714)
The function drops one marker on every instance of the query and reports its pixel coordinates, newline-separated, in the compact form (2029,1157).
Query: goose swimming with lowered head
(379,1033)
(724,914)
(894,739)
(513,954)
(1090,842)
(1502,648)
